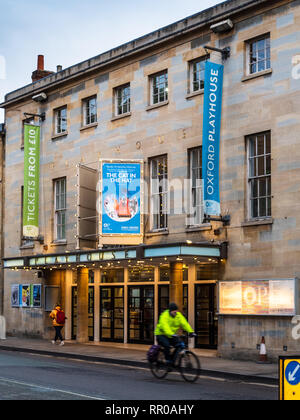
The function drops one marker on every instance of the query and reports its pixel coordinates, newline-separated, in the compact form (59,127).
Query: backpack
(60,317)
(152,354)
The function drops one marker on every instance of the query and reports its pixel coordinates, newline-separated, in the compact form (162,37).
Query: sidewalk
(132,355)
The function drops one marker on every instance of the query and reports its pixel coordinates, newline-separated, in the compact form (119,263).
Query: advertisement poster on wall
(15,296)
(36,295)
(121,199)
(25,296)
(258,297)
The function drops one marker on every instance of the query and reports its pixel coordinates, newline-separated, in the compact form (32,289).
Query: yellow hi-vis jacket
(167,325)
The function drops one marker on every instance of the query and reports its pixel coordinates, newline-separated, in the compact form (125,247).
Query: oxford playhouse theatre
(164,170)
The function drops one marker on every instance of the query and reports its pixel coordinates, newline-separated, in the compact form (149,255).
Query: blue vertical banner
(121,198)
(212,115)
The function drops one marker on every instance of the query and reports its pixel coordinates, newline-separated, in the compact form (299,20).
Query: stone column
(176,284)
(82,305)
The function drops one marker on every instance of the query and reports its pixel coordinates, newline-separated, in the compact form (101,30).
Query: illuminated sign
(121,206)
(258,297)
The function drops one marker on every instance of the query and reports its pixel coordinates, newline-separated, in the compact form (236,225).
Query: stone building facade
(88,117)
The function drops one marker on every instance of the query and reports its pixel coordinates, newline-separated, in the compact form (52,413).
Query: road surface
(32,377)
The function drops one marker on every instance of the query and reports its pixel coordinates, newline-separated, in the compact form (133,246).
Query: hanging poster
(31,181)
(121,198)
(213,92)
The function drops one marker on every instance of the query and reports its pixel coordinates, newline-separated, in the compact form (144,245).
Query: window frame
(58,211)
(249,63)
(117,107)
(58,121)
(192,198)
(267,177)
(161,224)
(191,73)
(87,119)
(154,77)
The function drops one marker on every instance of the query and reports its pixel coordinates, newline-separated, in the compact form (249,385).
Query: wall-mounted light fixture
(224,26)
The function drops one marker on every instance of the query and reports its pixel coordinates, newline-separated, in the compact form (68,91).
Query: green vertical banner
(31,181)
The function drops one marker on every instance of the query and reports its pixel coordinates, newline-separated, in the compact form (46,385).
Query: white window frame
(192,72)
(89,118)
(164,84)
(60,210)
(60,126)
(159,194)
(125,100)
(252,177)
(265,60)
(196,204)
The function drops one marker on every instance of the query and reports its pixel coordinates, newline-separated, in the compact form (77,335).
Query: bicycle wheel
(189,366)
(159,368)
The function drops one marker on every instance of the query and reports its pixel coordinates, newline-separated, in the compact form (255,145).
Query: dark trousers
(167,343)
(58,335)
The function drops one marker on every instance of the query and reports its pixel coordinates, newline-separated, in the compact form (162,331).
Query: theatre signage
(258,297)
(31,181)
(212,114)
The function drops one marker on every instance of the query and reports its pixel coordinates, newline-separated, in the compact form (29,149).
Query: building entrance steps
(135,356)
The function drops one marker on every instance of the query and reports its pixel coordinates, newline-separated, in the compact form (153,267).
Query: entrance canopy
(171,252)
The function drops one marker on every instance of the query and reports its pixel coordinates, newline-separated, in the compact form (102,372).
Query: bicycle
(186,362)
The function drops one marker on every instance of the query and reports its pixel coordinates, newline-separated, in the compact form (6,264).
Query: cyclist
(170,322)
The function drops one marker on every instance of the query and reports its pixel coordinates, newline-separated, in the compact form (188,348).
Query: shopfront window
(141,274)
(112,276)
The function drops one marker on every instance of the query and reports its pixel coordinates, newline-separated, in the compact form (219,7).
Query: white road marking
(50,389)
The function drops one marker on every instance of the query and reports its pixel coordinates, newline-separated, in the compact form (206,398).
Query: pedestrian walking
(59,318)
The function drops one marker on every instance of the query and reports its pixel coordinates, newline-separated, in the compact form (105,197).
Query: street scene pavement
(33,377)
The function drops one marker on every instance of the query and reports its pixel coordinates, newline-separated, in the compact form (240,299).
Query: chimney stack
(40,73)
(41,65)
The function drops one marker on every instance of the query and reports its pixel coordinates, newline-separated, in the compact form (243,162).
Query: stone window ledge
(193,94)
(258,222)
(59,136)
(59,243)
(205,226)
(256,75)
(157,233)
(119,117)
(86,127)
(150,107)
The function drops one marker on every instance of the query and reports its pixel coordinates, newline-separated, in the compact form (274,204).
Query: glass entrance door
(74,313)
(206,321)
(112,314)
(91,317)
(141,314)
(164,300)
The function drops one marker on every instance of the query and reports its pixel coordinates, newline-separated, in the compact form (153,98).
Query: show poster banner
(121,198)
(31,181)
(213,93)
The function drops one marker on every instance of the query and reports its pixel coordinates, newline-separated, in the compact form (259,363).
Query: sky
(70,31)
